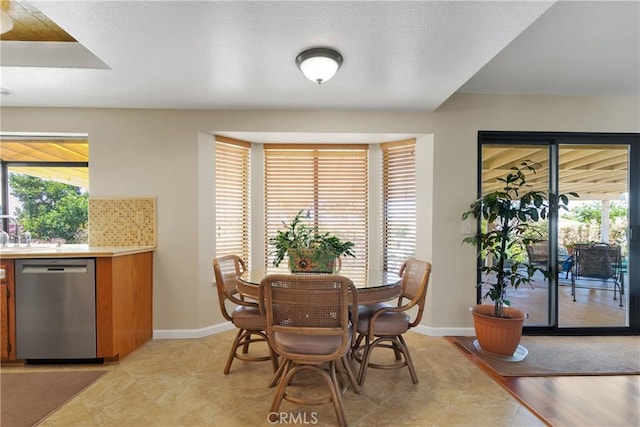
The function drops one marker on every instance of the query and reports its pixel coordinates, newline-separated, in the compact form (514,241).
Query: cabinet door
(7,310)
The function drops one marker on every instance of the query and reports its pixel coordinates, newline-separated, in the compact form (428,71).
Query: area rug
(559,356)
(28,397)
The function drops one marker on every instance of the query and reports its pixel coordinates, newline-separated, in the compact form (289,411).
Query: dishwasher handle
(52,269)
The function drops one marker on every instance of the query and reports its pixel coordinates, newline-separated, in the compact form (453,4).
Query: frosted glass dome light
(319,64)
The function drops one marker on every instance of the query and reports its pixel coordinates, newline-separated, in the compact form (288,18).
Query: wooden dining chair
(383,325)
(246,316)
(309,325)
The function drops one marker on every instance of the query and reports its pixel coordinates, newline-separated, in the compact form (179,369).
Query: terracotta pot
(498,335)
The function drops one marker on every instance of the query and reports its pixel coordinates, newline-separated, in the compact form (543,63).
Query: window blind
(232,197)
(329,182)
(399,203)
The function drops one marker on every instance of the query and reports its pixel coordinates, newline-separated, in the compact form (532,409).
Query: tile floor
(180,383)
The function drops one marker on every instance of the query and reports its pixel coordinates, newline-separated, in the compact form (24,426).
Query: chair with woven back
(538,254)
(309,325)
(383,325)
(245,316)
(598,261)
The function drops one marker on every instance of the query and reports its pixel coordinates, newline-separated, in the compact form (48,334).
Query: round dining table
(380,285)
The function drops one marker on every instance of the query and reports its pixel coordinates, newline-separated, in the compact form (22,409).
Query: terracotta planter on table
(498,335)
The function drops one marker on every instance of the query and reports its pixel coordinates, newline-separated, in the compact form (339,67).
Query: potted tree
(308,250)
(508,218)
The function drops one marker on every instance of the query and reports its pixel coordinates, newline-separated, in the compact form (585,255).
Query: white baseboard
(444,332)
(160,334)
(163,334)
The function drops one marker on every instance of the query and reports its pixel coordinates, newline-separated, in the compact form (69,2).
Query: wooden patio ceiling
(30,24)
(48,150)
(594,172)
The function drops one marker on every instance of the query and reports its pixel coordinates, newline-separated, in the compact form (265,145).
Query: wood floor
(602,401)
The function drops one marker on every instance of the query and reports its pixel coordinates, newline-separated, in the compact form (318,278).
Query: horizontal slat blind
(399,203)
(330,183)
(232,198)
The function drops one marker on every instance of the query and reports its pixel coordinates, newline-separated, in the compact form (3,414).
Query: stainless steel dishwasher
(55,308)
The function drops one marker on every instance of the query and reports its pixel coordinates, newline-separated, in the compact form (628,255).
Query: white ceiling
(398,55)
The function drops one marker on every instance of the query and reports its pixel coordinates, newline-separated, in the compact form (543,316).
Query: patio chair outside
(538,254)
(597,261)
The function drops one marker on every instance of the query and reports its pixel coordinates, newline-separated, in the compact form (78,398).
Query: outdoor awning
(52,151)
(595,172)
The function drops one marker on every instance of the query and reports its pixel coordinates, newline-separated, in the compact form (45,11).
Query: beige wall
(165,154)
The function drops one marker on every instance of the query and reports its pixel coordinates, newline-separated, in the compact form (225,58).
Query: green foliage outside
(588,224)
(591,213)
(586,227)
(50,210)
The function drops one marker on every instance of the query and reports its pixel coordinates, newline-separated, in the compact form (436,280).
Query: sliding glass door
(593,244)
(588,250)
(497,161)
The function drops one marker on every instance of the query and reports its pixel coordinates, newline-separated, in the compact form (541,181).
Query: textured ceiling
(399,56)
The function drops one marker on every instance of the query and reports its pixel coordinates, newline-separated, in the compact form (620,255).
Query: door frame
(553,140)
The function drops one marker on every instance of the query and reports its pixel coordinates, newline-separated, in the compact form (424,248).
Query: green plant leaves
(297,234)
(509,216)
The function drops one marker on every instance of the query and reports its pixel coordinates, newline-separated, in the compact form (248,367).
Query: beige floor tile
(180,383)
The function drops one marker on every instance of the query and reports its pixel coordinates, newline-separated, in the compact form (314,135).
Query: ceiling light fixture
(6,24)
(319,64)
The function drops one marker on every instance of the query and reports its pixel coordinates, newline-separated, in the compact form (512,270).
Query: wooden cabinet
(7,310)
(124,300)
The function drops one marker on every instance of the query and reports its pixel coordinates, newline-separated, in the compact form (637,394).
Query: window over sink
(45,187)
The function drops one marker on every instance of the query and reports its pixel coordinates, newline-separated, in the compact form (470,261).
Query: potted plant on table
(308,249)
(508,218)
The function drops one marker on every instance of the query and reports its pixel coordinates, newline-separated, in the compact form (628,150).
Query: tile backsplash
(122,221)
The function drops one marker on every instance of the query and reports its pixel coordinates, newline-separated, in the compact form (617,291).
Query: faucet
(27,238)
(17,230)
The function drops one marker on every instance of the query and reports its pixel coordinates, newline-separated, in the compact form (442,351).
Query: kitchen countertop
(71,251)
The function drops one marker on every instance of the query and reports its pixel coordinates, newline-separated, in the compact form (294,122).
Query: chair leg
(245,344)
(396,350)
(336,396)
(356,345)
(346,362)
(286,373)
(285,365)
(407,358)
(364,362)
(243,339)
(329,378)
(232,352)
(274,358)
(399,347)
